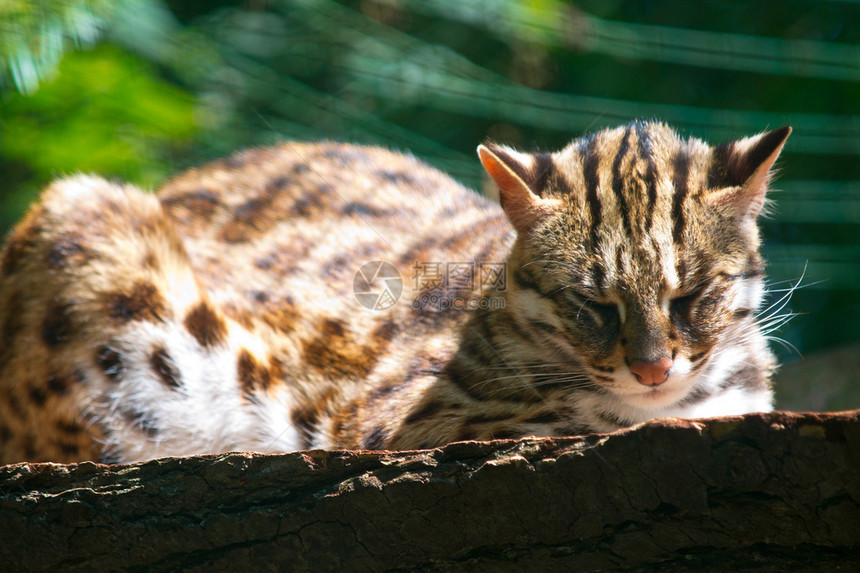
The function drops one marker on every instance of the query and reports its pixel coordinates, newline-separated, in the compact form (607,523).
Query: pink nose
(651,373)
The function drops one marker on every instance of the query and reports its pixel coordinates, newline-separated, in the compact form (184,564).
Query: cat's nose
(651,373)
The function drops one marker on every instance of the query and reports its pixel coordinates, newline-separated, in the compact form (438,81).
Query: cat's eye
(605,310)
(682,305)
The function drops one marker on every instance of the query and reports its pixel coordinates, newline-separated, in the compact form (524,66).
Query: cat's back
(308,189)
(236,280)
(304,217)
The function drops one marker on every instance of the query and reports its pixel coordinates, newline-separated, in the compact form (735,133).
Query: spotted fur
(219,314)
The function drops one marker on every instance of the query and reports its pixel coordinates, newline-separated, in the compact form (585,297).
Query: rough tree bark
(763,492)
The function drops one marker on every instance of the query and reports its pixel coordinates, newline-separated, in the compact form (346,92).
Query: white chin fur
(636,403)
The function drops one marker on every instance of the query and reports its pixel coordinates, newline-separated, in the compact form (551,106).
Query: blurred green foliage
(108,104)
(173,84)
(104,112)
(34,34)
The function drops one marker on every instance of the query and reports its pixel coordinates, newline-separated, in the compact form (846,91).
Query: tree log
(762,492)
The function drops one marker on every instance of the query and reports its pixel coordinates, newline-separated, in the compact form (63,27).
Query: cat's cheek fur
(529,306)
(750,295)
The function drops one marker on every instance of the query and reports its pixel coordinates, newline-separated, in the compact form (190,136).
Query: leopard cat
(326,295)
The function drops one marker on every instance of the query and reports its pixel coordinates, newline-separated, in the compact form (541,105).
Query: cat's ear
(519,177)
(742,170)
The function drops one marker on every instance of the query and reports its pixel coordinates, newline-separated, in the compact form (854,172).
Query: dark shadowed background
(141,89)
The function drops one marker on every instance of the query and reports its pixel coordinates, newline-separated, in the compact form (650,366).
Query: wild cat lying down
(336,296)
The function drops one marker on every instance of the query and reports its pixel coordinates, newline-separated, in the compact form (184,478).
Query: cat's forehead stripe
(650,173)
(625,162)
(680,181)
(640,188)
(617,181)
(592,183)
